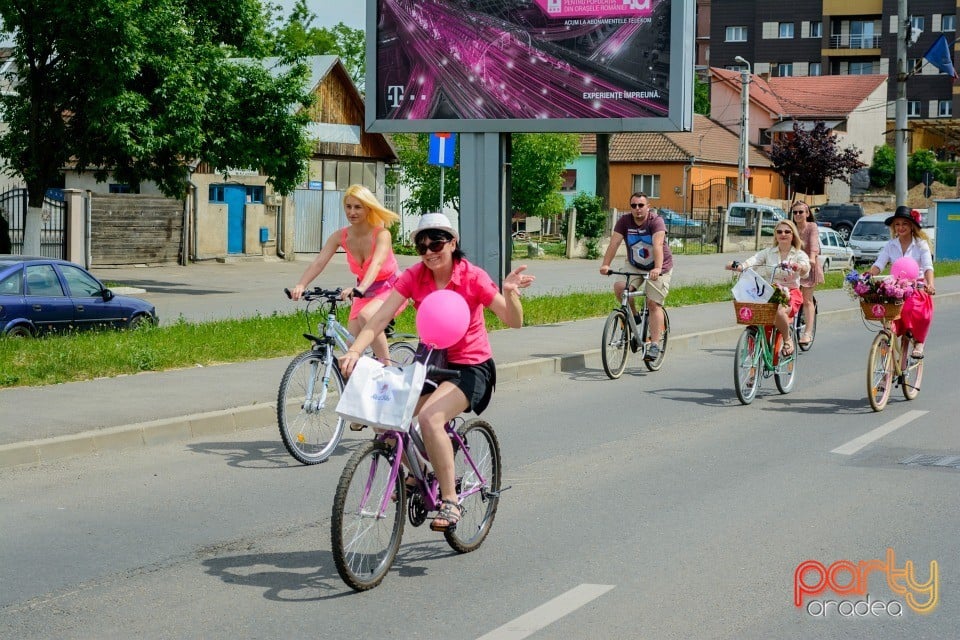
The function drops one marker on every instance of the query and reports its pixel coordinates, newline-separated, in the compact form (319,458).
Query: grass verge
(85,356)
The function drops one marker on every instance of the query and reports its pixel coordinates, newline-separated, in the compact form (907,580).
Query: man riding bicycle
(647,252)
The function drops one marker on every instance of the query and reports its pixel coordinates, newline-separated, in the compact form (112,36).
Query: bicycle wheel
(879,371)
(746,365)
(367,523)
(309,426)
(912,374)
(478,487)
(656,363)
(616,344)
(402,353)
(785,373)
(800,323)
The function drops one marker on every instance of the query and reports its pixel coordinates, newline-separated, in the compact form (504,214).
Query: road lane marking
(548,613)
(859,443)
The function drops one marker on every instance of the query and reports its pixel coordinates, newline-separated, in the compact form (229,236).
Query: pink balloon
(442,318)
(905,267)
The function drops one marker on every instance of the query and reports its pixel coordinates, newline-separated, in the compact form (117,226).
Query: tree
(701,96)
(921,161)
(536,176)
(139,89)
(883,168)
(807,159)
(297,35)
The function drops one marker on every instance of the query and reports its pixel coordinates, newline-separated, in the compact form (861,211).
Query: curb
(225,421)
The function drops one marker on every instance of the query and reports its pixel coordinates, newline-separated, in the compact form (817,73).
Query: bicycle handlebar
(316,293)
(641,274)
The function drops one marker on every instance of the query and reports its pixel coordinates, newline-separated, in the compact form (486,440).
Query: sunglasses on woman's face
(784,232)
(434,246)
(798,212)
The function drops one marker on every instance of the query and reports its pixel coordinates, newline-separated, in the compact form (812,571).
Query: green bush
(883,168)
(921,161)
(591,216)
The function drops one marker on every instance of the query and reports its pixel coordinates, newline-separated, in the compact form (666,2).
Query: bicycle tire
(364,541)
(478,509)
(402,353)
(785,374)
(800,326)
(656,363)
(879,371)
(616,344)
(310,433)
(746,365)
(912,375)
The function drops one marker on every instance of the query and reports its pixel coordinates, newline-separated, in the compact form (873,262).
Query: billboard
(529,65)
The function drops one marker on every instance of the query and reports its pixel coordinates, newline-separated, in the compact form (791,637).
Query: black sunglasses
(434,246)
(637,205)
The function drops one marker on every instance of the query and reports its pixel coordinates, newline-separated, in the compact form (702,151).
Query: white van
(868,237)
(745,215)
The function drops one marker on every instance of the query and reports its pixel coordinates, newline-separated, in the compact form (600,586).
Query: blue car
(673,219)
(39,295)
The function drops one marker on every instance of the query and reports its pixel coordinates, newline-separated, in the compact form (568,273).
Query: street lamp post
(743,188)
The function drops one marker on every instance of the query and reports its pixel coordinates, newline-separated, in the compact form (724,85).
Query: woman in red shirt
(443,266)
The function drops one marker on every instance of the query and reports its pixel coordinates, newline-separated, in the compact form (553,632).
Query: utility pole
(743,187)
(900,126)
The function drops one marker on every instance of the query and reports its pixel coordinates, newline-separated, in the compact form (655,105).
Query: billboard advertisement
(529,65)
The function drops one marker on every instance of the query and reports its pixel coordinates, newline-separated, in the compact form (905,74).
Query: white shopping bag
(380,396)
(751,287)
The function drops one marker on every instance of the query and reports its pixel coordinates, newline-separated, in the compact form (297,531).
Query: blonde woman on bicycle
(369,250)
(789,264)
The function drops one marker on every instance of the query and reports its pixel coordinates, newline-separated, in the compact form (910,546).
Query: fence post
(74,229)
(572,232)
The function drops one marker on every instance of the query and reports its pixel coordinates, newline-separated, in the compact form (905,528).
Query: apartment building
(845,37)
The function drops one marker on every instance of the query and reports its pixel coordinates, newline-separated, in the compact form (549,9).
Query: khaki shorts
(656,291)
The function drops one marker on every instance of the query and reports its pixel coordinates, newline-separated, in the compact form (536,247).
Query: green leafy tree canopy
(883,168)
(807,159)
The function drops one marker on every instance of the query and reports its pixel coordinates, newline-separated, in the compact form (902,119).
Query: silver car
(835,253)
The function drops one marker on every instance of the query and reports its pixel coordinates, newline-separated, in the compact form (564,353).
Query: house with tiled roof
(693,172)
(851,106)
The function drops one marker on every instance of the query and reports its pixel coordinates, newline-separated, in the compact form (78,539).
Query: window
(816,29)
(569,180)
(945,109)
(786,29)
(913,109)
(784,70)
(815,69)
(948,23)
(648,184)
(916,23)
(217,193)
(736,34)
(860,68)
(42,281)
(12,285)
(862,35)
(255,195)
(120,188)
(766,138)
(80,284)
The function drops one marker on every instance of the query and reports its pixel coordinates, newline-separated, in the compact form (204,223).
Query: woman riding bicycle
(444,266)
(370,257)
(789,264)
(910,240)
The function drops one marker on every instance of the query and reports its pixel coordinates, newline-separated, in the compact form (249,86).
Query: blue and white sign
(441,149)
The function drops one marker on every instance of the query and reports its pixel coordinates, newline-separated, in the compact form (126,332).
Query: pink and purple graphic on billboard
(522,59)
(595,8)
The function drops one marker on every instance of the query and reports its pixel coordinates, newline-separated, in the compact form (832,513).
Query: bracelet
(357,293)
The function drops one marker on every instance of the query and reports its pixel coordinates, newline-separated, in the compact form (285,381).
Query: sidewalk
(39,424)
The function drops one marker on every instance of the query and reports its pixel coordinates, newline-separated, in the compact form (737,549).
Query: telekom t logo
(395,95)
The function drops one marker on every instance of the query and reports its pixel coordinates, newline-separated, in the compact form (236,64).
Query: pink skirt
(916,316)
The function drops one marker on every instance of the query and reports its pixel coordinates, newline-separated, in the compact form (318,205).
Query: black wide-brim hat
(904,213)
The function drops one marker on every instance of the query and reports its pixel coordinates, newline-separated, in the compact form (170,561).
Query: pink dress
(382,285)
(810,236)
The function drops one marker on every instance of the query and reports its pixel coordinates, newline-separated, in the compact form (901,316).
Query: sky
(352,13)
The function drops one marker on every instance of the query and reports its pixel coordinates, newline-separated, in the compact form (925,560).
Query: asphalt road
(654,506)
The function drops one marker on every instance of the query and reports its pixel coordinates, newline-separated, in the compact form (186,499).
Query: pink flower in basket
(746,314)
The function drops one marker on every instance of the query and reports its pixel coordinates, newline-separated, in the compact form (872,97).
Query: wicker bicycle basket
(755,312)
(881,310)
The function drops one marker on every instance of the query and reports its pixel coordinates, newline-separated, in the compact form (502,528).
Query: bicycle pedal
(496,494)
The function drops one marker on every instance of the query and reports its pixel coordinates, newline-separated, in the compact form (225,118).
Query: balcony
(851,41)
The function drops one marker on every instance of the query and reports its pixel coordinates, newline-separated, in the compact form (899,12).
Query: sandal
(806,339)
(787,349)
(356,426)
(450,513)
(917,353)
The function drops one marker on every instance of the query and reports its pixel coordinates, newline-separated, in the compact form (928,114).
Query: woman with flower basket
(789,263)
(908,240)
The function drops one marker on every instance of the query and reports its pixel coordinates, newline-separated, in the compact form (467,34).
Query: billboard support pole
(485,201)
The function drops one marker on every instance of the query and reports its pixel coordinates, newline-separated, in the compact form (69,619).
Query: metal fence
(13,208)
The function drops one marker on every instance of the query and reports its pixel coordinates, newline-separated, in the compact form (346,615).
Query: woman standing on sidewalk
(810,239)
(370,257)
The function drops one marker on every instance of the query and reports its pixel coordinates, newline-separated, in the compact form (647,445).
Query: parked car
(673,219)
(835,253)
(839,217)
(745,215)
(39,295)
(868,237)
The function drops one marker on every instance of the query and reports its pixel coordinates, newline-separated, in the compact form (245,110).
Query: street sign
(927,192)
(441,149)
(928,178)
